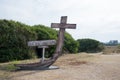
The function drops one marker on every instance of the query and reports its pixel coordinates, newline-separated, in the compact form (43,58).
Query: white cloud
(98,19)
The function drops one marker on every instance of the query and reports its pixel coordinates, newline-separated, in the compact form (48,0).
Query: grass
(7,69)
(75,59)
(8,66)
(81,66)
(111,50)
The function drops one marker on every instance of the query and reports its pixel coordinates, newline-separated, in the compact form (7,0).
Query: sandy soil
(77,67)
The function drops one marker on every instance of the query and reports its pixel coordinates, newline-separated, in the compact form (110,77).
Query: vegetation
(118,46)
(89,45)
(46,33)
(112,49)
(13,40)
(71,46)
(15,35)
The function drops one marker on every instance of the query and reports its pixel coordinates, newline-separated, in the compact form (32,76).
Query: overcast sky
(96,19)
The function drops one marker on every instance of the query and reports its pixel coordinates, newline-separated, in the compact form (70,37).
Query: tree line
(15,35)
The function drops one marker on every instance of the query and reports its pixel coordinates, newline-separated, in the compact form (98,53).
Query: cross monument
(46,64)
(62,25)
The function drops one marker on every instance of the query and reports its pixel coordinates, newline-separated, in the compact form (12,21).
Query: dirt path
(72,67)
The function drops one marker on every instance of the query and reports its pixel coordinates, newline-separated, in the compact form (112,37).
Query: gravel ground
(77,67)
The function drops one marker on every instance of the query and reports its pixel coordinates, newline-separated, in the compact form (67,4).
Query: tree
(45,33)
(15,35)
(13,40)
(70,45)
(89,45)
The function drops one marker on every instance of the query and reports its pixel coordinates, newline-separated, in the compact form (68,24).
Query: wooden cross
(62,25)
(47,63)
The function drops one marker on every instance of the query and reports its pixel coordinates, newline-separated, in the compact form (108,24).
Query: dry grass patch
(111,50)
(77,63)
(76,59)
(8,69)
(65,62)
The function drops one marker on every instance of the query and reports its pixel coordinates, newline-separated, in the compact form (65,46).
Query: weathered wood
(43,55)
(47,63)
(43,52)
(63,24)
(42,46)
(42,43)
(69,26)
(60,42)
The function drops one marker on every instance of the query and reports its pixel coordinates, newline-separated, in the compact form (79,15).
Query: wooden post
(43,55)
(43,52)
(62,25)
(42,44)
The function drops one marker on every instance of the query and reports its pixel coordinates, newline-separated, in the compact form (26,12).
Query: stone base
(53,67)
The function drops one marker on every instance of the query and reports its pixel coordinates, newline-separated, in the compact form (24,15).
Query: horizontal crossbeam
(58,25)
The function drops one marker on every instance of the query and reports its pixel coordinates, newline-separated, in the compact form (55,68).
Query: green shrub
(70,45)
(46,33)
(13,40)
(15,35)
(89,45)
